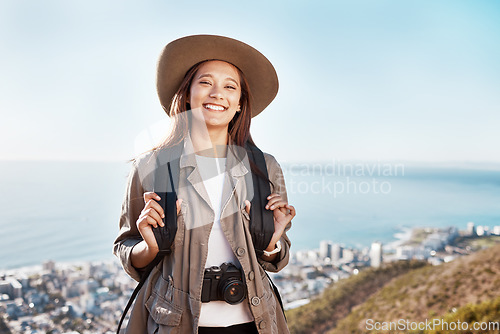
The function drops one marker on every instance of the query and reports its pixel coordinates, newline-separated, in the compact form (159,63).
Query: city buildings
(376,254)
(90,297)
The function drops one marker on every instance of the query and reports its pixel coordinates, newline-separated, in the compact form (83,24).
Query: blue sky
(367,80)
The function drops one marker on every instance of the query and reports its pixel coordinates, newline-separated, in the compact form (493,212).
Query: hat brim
(181,54)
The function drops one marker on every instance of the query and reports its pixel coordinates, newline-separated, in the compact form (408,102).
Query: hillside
(467,285)
(322,313)
(485,312)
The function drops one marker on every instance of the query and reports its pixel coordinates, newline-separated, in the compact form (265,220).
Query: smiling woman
(215,95)
(231,202)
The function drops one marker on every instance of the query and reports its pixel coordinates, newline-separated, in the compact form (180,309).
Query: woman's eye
(231,87)
(204,82)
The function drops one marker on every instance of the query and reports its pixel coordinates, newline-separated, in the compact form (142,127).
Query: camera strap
(277,293)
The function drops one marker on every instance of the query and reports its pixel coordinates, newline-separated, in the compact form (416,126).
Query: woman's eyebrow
(211,76)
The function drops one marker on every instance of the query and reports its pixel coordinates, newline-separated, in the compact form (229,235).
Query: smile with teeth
(214,107)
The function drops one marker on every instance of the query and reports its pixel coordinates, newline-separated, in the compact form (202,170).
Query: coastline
(62,265)
(402,237)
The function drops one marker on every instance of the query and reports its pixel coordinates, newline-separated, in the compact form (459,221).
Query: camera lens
(233,291)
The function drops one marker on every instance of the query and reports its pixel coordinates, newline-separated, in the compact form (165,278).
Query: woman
(211,87)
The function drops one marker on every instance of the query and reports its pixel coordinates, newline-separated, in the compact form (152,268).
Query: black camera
(223,283)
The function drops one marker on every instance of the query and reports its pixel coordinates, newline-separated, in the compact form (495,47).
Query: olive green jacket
(170,300)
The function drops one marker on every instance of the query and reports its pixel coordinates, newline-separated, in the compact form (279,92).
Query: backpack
(261,220)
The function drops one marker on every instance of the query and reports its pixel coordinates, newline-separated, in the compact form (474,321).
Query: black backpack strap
(165,188)
(168,197)
(261,220)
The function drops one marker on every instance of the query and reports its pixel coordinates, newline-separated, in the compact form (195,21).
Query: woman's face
(215,93)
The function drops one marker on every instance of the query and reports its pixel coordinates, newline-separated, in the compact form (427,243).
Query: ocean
(69,211)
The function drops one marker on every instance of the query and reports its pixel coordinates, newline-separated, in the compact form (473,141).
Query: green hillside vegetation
(484,313)
(337,301)
(477,243)
(464,286)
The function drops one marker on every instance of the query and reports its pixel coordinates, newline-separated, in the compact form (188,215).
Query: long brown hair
(239,126)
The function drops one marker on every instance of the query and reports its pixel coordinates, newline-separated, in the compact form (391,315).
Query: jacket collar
(236,163)
(235,169)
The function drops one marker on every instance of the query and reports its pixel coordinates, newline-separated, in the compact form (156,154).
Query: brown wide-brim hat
(181,54)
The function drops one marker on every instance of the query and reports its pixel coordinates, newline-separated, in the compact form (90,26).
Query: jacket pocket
(162,311)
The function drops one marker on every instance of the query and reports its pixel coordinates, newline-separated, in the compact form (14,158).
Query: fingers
(292,210)
(247,206)
(153,222)
(152,213)
(150,195)
(152,204)
(276,205)
(272,199)
(275,201)
(178,203)
(150,199)
(273,195)
(152,217)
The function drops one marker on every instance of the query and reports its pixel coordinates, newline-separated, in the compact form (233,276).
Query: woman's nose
(216,93)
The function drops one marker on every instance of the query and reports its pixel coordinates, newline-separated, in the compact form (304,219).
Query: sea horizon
(69,211)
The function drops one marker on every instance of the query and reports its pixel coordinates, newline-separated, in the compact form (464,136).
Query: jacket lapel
(188,162)
(237,167)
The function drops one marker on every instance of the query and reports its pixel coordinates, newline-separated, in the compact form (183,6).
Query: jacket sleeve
(129,236)
(278,186)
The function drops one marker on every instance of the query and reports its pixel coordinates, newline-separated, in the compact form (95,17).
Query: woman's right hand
(151,217)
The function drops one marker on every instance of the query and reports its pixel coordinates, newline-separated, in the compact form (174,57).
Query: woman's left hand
(283,213)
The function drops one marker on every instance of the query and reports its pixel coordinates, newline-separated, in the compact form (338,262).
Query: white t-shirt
(219,313)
